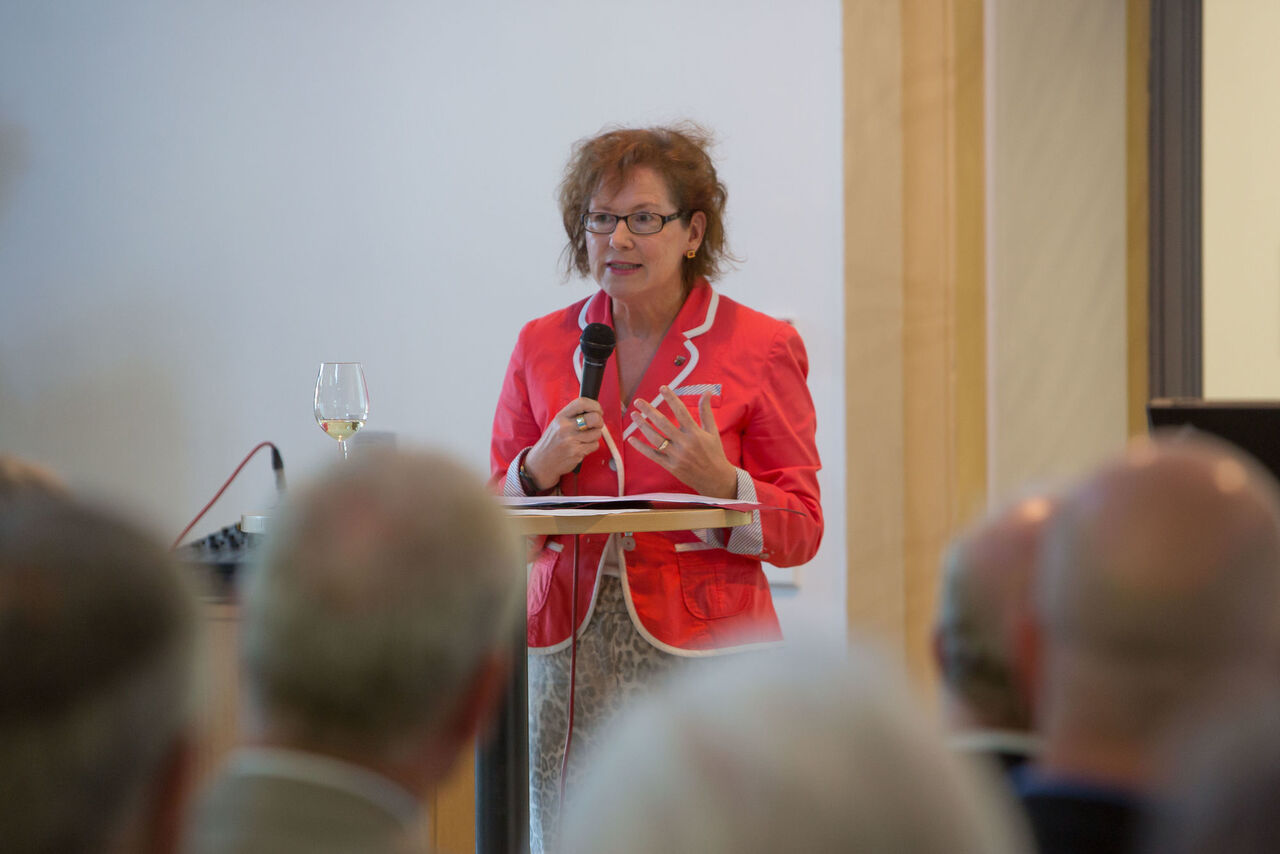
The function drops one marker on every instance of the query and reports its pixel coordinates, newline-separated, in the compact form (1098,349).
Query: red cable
(215,498)
(573,664)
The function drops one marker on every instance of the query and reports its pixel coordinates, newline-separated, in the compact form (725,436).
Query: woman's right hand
(565,443)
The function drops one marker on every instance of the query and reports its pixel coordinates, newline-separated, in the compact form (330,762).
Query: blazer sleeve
(515,425)
(780,454)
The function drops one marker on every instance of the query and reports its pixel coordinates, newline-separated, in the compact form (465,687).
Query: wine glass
(342,400)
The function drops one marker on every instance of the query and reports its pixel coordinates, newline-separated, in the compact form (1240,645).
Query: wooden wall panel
(873,318)
(944,325)
(915,322)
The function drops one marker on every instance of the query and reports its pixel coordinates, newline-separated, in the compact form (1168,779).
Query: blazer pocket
(712,588)
(541,569)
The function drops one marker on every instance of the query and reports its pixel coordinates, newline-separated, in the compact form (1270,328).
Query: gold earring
(690,254)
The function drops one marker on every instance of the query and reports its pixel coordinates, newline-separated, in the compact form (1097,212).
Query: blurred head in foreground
(778,752)
(985,598)
(1159,591)
(1223,783)
(19,476)
(378,627)
(97,627)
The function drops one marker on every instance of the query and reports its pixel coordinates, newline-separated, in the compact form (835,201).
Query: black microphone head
(597,343)
(277,464)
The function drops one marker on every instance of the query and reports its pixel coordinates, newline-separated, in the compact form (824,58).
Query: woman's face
(637,267)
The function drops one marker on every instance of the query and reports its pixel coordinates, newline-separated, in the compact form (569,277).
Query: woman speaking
(702,395)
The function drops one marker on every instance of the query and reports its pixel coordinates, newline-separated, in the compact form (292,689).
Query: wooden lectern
(502,763)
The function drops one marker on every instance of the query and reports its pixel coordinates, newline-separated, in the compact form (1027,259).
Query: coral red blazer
(689,593)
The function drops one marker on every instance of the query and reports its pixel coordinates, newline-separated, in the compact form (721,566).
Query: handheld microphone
(597,343)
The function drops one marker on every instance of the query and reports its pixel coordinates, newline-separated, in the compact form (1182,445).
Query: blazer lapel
(678,354)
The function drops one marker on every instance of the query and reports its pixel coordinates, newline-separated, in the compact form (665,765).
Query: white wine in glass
(342,400)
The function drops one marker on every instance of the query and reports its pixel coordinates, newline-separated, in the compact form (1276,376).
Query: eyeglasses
(640,222)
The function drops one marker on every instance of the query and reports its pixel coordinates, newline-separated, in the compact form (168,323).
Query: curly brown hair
(679,154)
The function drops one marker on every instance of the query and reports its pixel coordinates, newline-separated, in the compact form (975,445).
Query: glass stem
(342,443)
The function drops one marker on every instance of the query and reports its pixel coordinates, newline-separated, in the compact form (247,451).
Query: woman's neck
(646,318)
(640,329)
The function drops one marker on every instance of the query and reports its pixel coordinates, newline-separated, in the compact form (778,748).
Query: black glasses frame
(627,219)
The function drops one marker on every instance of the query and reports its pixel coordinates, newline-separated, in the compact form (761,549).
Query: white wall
(199,202)
(1241,176)
(1056,237)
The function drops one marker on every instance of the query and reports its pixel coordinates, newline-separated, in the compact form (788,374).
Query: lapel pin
(680,360)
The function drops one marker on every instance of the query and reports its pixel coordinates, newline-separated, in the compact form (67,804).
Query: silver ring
(581,420)
(664,444)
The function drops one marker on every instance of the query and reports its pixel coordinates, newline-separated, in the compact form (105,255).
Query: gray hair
(98,627)
(984,592)
(783,752)
(385,587)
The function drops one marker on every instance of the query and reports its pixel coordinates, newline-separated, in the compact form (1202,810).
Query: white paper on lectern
(662,499)
(571,511)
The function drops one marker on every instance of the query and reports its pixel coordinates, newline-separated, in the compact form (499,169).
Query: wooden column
(873,186)
(915,306)
(944,285)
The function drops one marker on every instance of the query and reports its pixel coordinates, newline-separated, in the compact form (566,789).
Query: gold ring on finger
(582,422)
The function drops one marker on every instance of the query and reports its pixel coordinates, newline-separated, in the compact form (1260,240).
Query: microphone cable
(573,664)
(277,465)
(596,344)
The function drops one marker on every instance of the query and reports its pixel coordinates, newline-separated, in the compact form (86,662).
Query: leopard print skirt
(616,667)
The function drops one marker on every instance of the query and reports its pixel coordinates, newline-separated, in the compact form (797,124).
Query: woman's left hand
(692,453)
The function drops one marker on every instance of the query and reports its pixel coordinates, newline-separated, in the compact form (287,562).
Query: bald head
(1174,549)
(1160,583)
(986,582)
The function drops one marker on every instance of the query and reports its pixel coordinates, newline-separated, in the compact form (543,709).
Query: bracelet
(526,482)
